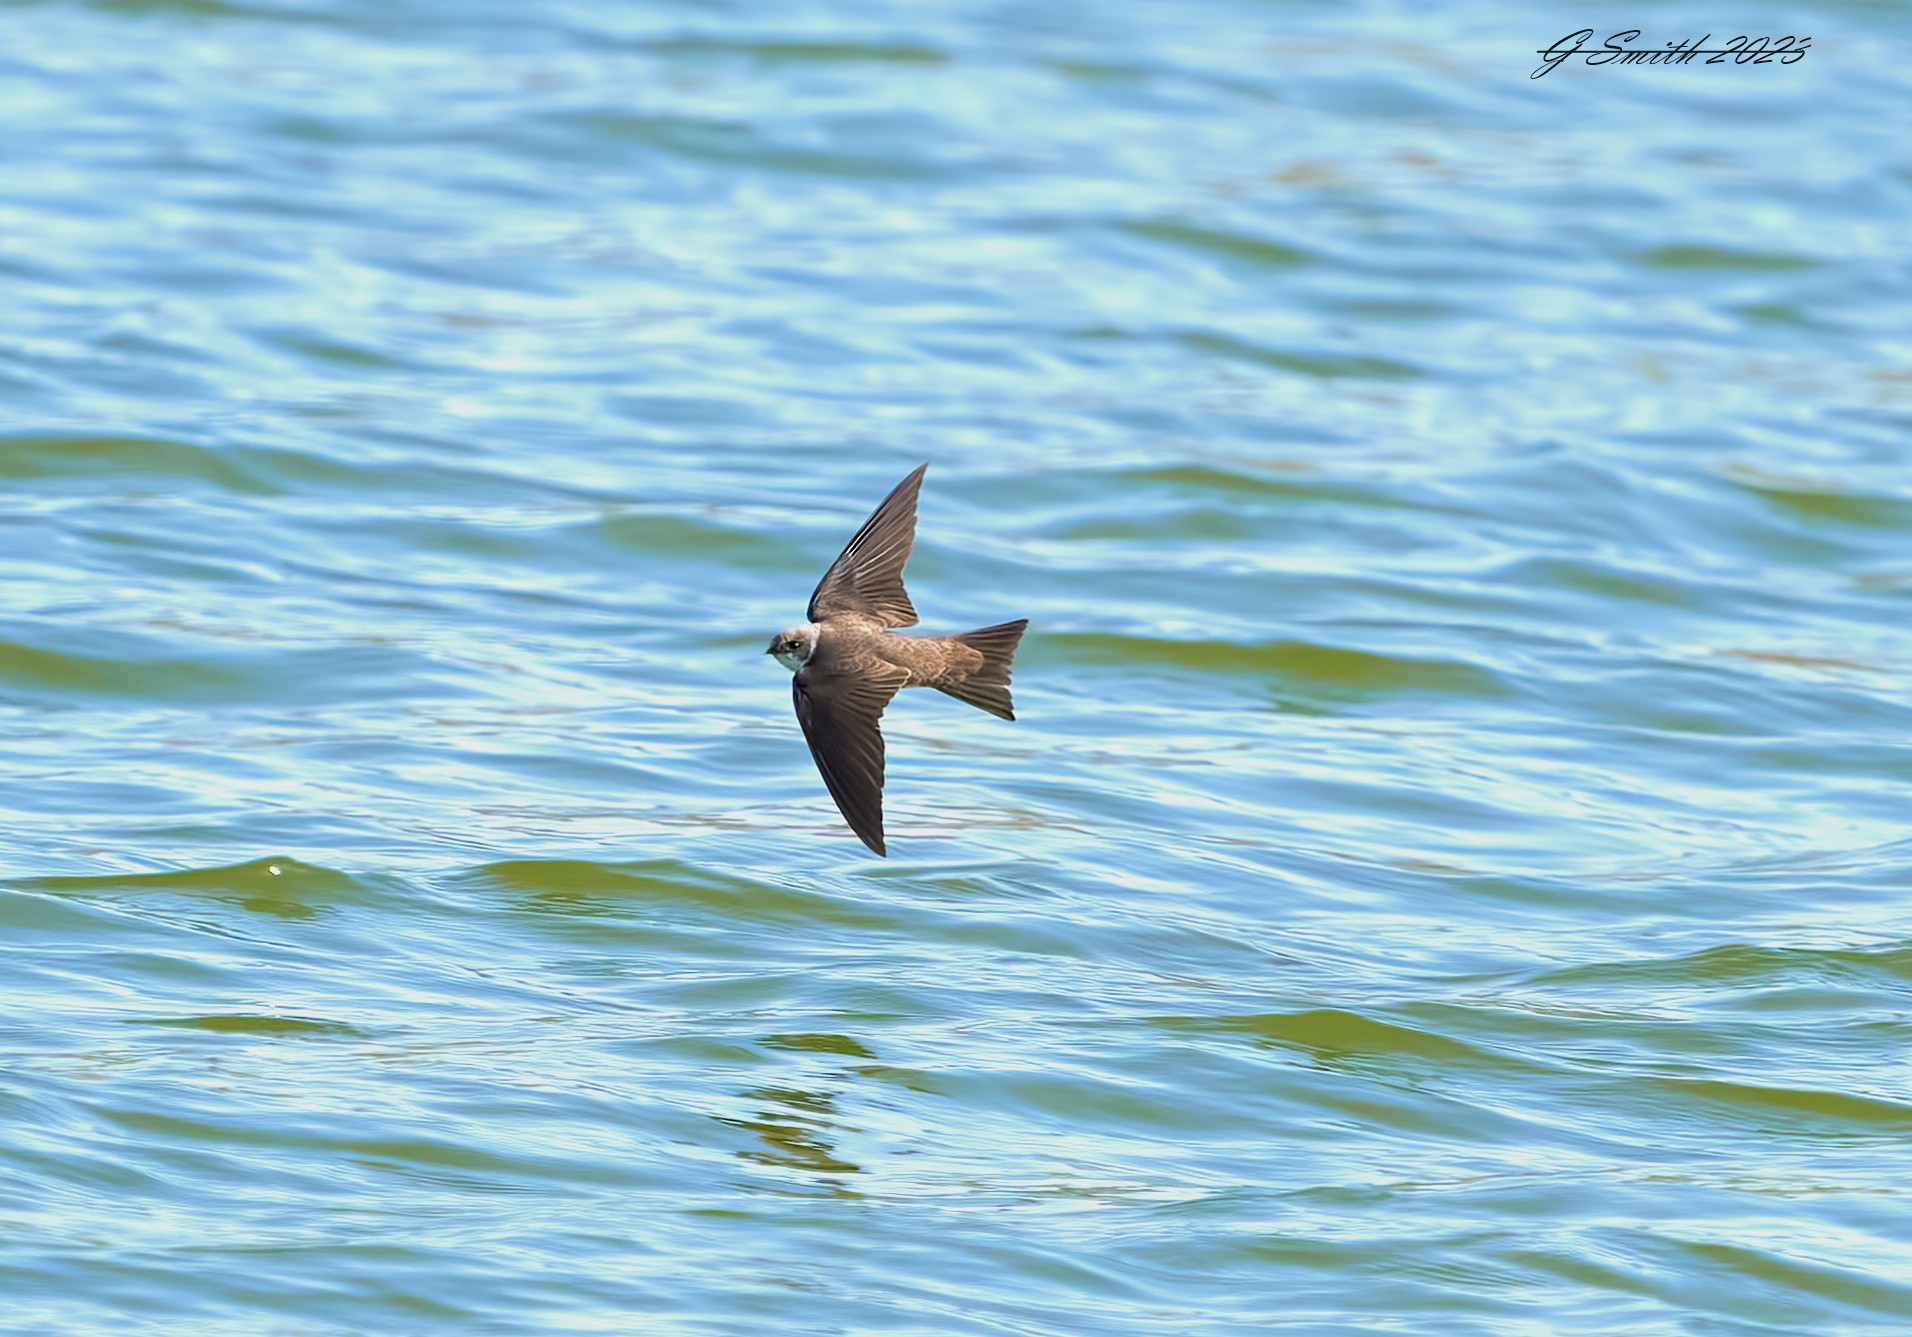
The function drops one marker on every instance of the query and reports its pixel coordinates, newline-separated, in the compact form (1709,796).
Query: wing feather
(867,577)
(839,714)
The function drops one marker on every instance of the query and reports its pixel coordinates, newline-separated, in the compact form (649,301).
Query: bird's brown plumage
(858,663)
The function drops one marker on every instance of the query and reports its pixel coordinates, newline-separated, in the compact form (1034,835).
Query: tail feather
(987,688)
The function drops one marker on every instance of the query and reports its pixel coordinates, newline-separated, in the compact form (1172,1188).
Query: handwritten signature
(1743,50)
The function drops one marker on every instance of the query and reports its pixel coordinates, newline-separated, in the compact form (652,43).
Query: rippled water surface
(1450,874)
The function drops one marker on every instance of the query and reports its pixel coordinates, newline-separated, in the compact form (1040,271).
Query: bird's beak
(770,651)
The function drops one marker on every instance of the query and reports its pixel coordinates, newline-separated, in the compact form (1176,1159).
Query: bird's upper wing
(839,713)
(867,577)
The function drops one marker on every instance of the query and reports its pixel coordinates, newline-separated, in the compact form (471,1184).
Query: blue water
(1450,872)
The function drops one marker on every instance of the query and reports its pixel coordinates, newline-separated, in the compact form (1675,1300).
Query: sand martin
(849,662)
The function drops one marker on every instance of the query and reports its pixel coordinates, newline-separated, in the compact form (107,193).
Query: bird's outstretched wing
(839,713)
(867,577)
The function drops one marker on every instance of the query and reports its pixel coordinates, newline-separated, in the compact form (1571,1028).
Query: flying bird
(849,661)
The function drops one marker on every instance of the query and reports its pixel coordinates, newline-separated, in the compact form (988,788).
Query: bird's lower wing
(839,714)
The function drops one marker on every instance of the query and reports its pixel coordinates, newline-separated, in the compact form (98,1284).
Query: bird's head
(794,646)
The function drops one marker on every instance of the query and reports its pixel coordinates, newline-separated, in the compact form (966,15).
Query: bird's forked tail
(987,687)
